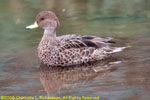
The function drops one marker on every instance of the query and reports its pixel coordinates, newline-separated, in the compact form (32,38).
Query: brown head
(45,20)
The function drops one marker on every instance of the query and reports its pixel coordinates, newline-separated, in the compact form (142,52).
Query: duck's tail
(103,53)
(117,49)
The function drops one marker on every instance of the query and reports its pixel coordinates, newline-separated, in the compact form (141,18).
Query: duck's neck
(49,35)
(50,32)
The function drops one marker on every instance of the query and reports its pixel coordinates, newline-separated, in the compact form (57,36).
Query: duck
(70,49)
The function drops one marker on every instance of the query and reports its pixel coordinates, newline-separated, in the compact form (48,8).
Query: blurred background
(127,21)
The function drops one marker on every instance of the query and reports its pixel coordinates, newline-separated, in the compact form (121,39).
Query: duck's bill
(32,26)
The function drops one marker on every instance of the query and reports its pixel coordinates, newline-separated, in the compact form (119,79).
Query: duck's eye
(42,18)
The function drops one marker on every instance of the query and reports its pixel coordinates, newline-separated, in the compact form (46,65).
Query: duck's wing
(85,37)
(78,41)
(68,37)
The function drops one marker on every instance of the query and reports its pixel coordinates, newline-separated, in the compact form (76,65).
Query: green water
(128,21)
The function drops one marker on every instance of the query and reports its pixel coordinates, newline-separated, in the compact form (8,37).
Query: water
(128,21)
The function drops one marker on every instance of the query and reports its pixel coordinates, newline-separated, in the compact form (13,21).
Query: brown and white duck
(69,49)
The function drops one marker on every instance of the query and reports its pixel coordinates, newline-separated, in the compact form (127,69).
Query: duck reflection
(55,79)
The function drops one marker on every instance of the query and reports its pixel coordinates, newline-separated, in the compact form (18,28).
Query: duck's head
(45,20)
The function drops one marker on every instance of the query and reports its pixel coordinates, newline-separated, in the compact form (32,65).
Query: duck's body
(72,49)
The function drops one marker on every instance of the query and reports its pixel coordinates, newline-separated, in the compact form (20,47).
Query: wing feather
(79,41)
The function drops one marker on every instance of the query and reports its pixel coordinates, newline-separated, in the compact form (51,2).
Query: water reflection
(55,79)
